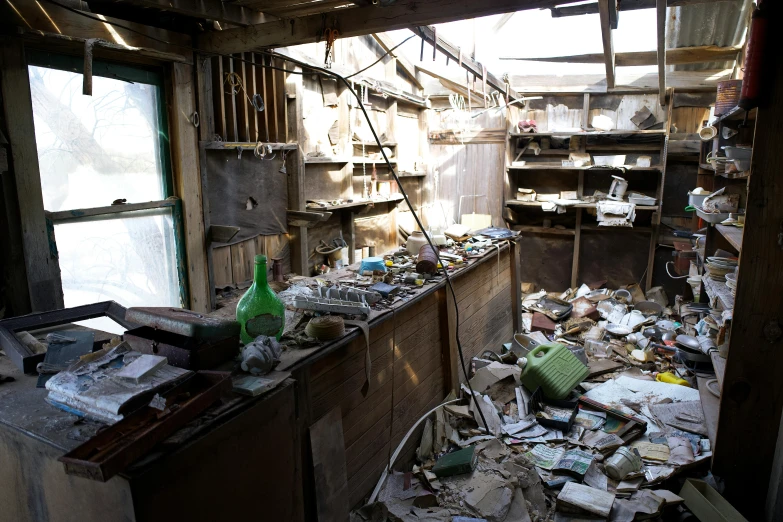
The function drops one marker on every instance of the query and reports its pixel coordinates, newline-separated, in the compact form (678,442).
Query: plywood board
(328,448)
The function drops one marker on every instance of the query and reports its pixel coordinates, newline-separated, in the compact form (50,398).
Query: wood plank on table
(719,364)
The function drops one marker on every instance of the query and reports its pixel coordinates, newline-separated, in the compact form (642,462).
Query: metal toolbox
(188,339)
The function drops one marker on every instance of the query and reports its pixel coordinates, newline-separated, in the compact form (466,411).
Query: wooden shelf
(545,230)
(533,166)
(732,234)
(373,144)
(596,228)
(325,160)
(393,199)
(719,294)
(367,161)
(657,132)
(515,203)
(735,114)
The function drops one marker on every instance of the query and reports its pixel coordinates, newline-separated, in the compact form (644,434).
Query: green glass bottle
(260,311)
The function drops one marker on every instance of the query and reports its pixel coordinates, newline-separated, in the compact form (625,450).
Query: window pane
(129,259)
(95,149)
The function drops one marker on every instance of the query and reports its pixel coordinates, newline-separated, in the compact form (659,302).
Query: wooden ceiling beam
(678,56)
(387,44)
(660,12)
(625,5)
(605,7)
(225,12)
(357,22)
(472,66)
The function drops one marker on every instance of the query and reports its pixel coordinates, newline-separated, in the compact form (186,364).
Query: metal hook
(195,119)
(260,151)
(239,153)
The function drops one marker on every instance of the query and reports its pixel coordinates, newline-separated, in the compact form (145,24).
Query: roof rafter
(605,9)
(209,9)
(625,5)
(358,21)
(677,56)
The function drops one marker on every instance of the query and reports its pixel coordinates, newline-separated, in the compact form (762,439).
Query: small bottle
(260,311)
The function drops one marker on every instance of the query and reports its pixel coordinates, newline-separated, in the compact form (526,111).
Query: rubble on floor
(616,448)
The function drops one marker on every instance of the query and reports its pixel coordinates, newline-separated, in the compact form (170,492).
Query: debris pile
(591,413)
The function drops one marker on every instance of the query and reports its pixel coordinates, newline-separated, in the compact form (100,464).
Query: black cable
(377,140)
(381,58)
(418,222)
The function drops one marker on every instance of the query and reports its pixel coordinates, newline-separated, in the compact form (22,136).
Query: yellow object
(670,378)
(440,266)
(389,262)
(419,282)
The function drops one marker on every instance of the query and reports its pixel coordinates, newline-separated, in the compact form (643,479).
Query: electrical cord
(360,71)
(377,140)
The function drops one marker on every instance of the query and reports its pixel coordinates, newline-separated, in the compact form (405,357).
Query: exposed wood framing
(752,395)
(209,9)
(470,65)
(449,84)
(38,18)
(357,22)
(660,11)
(628,82)
(679,56)
(187,183)
(40,252)
(386,44)
(625,5)
(604,9)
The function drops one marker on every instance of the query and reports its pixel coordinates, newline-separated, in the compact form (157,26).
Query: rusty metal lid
(183,322)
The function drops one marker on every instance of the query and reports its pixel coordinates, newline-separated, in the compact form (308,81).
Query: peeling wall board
(546,261)
(379,231)
(327,182)
(618,257)
(232,182)
(242,260)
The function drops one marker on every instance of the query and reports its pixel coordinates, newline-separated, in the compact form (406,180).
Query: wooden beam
(187,183)
(604,8)
(660,11)
(752,395)
(470,65)
(679,56)
(357,22)
(40,250)
(386,44)
(627,81)
(225,12)
(625,5)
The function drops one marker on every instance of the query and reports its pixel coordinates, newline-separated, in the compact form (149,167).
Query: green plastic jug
(554,368)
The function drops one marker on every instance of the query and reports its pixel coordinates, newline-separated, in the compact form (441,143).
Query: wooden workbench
(262,443)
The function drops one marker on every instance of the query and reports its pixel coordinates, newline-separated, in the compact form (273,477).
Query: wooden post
(660,6)
(606,36)
(577,234)
(295,166)
(752,395)
(187,183)
(516,284)
(40,251)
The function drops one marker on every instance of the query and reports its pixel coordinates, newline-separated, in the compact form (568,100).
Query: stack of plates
(718,267)
(731,282)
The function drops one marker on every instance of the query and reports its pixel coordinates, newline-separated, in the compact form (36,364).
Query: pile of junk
(592,412)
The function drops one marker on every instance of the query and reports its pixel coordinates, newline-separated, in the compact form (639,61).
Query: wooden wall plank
(40,253)
(221,262)
(187,183)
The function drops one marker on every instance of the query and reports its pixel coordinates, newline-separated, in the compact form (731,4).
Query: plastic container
(641,199)
(707,504)
(554,368)
(711,218)
(695,200)
(622,463)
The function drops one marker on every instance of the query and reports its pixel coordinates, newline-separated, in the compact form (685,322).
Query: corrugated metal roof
(722,24)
